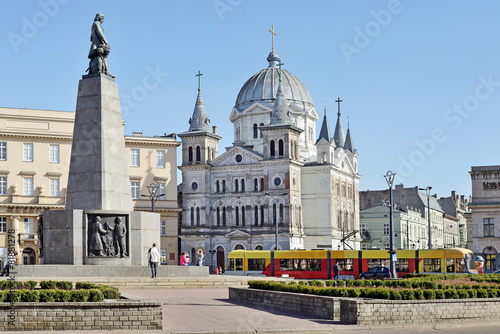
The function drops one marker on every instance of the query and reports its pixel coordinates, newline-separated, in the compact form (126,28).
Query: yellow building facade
(35,151)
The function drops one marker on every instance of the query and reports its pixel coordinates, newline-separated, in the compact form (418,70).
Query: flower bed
(55,291)
(416,288)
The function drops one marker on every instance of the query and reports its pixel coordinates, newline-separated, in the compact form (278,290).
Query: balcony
(27,237)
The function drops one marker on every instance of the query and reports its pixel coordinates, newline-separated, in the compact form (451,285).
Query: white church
(279,185)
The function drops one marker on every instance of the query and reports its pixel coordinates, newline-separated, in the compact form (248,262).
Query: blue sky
(420,80)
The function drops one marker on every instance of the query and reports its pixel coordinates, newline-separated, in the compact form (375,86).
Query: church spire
(349,145)
(280,113)
(325,130)
(338,136)
(200,120)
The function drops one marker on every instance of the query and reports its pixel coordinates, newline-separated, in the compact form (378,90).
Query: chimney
(214,130)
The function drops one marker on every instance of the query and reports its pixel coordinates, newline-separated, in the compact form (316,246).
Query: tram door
(220,257)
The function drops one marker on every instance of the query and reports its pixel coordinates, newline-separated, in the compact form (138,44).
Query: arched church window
(261,124)
(198,153)
(198,216)
(273,149)
(255,185)
(274,214)
(209,155)
(261,184)
(236,185)
(242,185)
(256,216)
(280,147)
(239,247)
(243,215)
(217,186)
(255,131)
(223,186)
(190,154)
(237,216)
(259,248)
(323,157)
(281,213)
(218,216)
(261,215)
(192,216)
(224,216)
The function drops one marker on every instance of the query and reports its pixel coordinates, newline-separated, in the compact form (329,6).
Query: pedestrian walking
(336,271)
(153,258)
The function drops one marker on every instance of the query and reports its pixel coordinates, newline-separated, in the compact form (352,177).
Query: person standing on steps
(153,258)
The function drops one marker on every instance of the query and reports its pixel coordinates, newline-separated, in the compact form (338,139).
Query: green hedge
(417,290)
(18,285)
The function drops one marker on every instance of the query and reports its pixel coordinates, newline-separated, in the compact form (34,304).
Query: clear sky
(419,80)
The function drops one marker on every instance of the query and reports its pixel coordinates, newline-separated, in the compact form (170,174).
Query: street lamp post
(153,195)
(428,192)
(389,177)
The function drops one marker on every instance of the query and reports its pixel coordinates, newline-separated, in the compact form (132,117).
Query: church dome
(263,85)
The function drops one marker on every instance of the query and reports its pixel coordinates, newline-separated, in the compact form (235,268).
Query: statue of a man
(99,50)
(119,232)
(95,245)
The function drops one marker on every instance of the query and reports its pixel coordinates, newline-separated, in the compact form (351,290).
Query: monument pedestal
(99,226)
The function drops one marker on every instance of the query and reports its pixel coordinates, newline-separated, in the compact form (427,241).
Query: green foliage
(407,294)
(47,296)
(493,293)
(451,294)
(85,285)
(110,292)
(463,294)
(64,285)
(330,282)
(441,286)
(95,295)
(315,283)
(467,286)
(482,293)
(30,296)
(62,295)
(419,294)
(302,282)
(13,296)
(292,283)
(429,294)
(79,295)
(3,295)
(48,285)
(472,293)
(476,286)
(440,294)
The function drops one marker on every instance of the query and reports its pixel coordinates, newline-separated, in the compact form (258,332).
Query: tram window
(231,265)
(314,265)
(286,264)
(345,264)
(432,265)
(378,263)
(256,264)
(239,264)
(461,266)
(403,265)
(300,265)
(450,265)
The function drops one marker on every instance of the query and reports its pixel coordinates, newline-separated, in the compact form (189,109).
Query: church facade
(279,185)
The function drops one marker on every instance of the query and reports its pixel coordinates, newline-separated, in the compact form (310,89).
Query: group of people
(154,259)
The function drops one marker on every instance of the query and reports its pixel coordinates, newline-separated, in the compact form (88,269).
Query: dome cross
(273,33)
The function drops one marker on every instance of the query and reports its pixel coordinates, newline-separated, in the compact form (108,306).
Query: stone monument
(98,225)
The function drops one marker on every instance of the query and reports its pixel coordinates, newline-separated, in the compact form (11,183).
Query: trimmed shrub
(440,294)
(95,295)
(302,283)
(476,286)
(441,286)
(62,295)
(88,285)
(13,296)
(30,296)
(407,294)
(292,283)
(3,296)
(451,294)
(315,283)
(429,294)
(493,293)
(330,282)
(482,293)
(419,294)
(462,293)
(395,295)
(46,296)
(48,285)
(79,295)
(430,285)
(472,293)
(63,285)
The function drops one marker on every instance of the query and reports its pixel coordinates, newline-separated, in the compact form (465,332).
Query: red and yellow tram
(318,264)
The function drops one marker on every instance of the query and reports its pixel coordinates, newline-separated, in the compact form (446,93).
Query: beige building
(35,150)
(485,217)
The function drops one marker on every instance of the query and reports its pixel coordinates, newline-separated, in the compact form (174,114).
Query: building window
(224,216)
(255,131)
(256,185)
(217,186)
(243,185)
(272,149)
(280,147)
(134,158)
(134,189)
(236,185)
(489,227)
(218,217)
(28,186)
(198,216)
(223,186)
(192,216)
(163,256)
(281,213)
(242,216)
(190,154)
(261,124)
(163,228)
(28,228)
(54,187)
(160,159)
(54,154)
(274,214)
(161,190)
(3,224)
(3,151)
(3,185)
(386,229)
(198,154)
(27,152)
(262,184)
(256,216)
(237,216)
(262,215)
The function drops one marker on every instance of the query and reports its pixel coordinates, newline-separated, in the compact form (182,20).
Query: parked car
(496,272)
(376,273)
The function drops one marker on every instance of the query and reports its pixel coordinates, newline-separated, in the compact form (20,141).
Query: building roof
(325,131)
(339,136)
(263,86)
(200,120)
